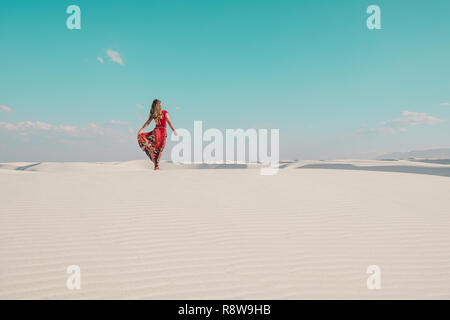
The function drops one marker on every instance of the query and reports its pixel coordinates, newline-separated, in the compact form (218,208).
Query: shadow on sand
(28,166)
(438,161)
(434,171)
(221,166)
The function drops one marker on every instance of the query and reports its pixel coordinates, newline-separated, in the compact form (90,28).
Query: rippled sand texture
(185,233)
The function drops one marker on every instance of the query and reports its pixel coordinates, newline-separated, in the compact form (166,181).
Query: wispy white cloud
(115,56)
(445,103)
(100,59)
(118,122)
(36,125)
(97,140)
(39,128)
(401,124)
(5,109)
(140,106)
(411,118)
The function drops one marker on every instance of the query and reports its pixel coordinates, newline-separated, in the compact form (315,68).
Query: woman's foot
(156,167)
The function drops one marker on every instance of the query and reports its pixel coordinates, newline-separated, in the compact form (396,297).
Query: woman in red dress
(153,142)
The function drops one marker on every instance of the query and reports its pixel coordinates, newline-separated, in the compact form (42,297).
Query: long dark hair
(155,111)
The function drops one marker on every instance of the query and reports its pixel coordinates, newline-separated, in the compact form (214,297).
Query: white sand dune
(183,233)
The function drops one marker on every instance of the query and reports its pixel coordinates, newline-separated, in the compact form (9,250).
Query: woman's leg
(159,152)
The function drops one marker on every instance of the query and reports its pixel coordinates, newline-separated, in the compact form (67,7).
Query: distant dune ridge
(443,153)
(206,232)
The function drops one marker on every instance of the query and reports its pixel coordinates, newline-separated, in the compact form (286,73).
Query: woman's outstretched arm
(144,126)
(170,124)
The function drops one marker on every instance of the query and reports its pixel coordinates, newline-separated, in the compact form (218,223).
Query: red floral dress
(156,140)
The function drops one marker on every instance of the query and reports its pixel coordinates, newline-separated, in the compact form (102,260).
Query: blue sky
(310,68)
